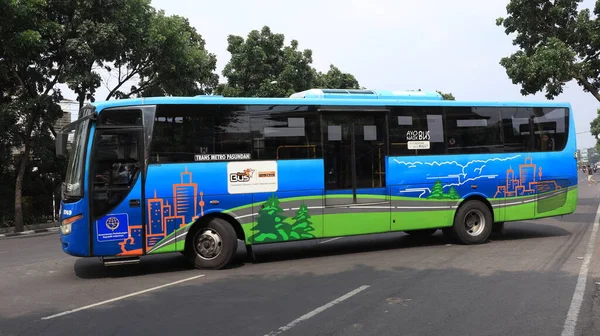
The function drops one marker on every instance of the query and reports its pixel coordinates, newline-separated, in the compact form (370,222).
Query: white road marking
(317,311)
(121,297)
(572,315)
(330,240)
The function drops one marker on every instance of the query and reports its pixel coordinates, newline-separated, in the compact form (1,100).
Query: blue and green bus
(197,175)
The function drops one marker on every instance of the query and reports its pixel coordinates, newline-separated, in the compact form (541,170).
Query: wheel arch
(476,197)
(204,220)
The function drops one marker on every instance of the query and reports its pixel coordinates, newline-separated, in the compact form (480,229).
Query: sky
(451,46)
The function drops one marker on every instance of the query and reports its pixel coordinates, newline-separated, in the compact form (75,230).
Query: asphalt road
(520,283)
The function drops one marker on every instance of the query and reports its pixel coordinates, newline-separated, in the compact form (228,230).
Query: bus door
(355,148)
(116,189)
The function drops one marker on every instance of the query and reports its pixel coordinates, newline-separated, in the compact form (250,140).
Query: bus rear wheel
(472,223)
(213,246)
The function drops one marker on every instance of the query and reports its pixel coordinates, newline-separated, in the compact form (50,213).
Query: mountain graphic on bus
(453,179)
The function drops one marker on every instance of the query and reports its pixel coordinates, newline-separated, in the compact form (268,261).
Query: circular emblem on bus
(112,223)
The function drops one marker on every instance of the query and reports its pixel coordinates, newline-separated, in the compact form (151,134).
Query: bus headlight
(65,224)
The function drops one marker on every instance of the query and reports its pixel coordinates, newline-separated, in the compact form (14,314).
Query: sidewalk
(30,230)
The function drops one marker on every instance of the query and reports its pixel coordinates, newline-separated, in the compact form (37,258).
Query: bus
(198,175)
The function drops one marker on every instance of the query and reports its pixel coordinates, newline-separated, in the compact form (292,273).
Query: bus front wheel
(213,246)
(472,223)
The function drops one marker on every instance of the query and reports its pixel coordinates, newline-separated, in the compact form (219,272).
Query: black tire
(464,230)
(422,233)
(210,257)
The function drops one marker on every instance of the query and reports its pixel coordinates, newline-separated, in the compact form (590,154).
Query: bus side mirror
(61,143)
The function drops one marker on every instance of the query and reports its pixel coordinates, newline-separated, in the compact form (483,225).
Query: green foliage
(453,194)
(437,192)
(595,129)
(44,43)
(334,78)
(271,225)
(446,96)
(166,55)
(302,225)
(262,66)
(558,43)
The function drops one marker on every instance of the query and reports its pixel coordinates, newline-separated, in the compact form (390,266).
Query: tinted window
(416,131)
(284,132)
(535,129)
(116,167)
(186,133)
(120,118)
(473,130)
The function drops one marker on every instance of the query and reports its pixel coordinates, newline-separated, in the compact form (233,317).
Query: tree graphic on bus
(302,225)
(437,192)
(271,224)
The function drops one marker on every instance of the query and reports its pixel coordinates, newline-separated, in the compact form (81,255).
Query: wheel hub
(209,244)
(474,222)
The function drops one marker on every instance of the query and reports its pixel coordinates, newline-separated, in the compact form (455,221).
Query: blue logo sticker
(113,227)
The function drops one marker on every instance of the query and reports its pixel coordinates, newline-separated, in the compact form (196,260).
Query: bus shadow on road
(92,268)
(95,269)
(394,241)
(175,262)
(528,230)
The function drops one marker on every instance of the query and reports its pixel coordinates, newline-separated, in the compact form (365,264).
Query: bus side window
(184,132)
(535,129)
(413,126)
(283,132)
(473,130)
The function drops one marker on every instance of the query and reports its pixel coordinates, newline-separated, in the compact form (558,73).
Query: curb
(29,232)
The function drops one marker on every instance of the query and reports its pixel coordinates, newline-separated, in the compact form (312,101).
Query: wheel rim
(209,244)
(474,222)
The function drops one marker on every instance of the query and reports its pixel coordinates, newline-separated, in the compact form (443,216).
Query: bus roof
(331,97)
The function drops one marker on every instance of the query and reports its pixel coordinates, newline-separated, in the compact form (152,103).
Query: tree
(595,129)
(35,48)
(262,66)
(437,191)
(166,55)
(452,194)
(558,43)
(270,225)
(121,28)
(446,96)
(302,225)
(45,43)
(336,79)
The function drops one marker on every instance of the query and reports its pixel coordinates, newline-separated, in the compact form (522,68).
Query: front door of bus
(355,147)
(116,192)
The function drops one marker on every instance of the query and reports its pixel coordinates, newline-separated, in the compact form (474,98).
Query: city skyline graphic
(165,216)
(527,182)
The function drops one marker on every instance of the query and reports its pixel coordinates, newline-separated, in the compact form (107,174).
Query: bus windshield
(74,177)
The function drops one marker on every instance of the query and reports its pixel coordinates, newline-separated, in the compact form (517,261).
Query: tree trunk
(19,225)
(588,86)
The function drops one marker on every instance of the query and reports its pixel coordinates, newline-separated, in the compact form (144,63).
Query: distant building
(66,106)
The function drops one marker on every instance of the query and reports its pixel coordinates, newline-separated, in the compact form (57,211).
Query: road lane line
(121,297)
(317,311)
(330,240)
(572,315)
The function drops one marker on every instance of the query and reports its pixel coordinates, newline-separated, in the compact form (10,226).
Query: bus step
(117,261)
